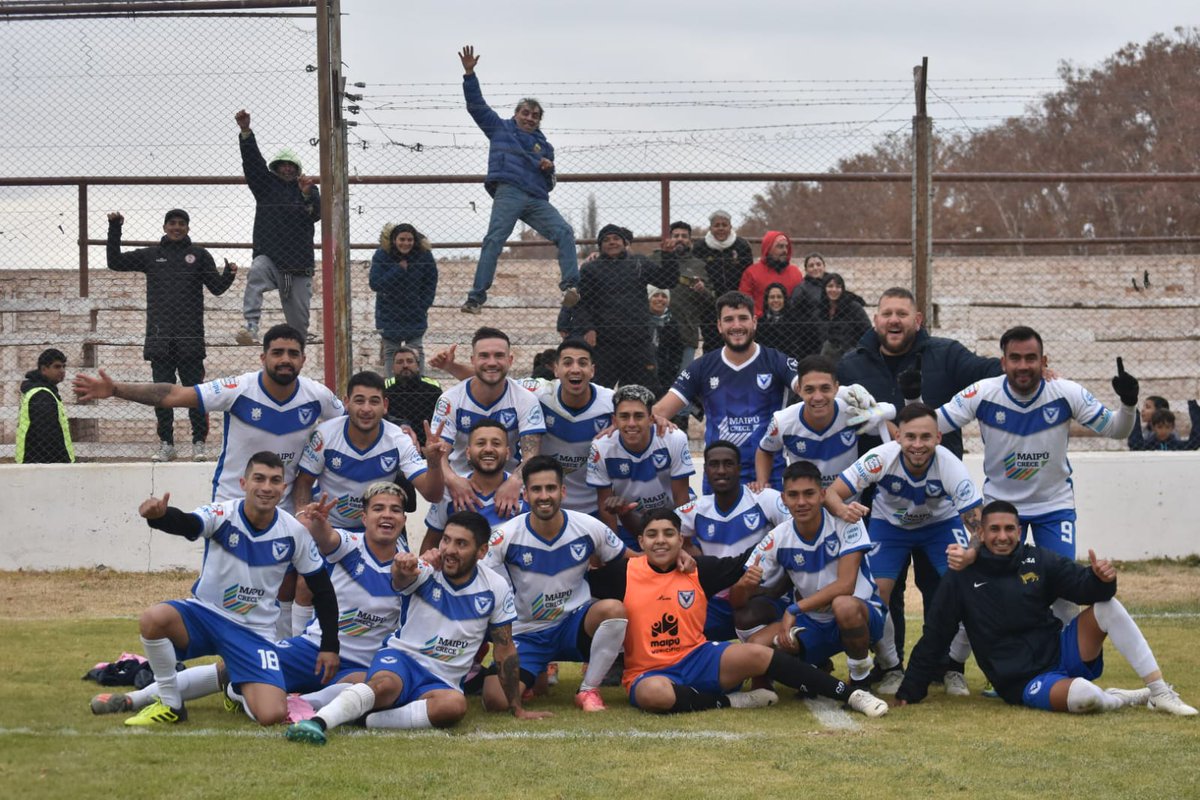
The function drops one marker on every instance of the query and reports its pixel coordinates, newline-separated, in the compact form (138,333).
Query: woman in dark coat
(843,318)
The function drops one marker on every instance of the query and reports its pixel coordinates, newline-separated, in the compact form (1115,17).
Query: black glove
(909,380)
(1125,385)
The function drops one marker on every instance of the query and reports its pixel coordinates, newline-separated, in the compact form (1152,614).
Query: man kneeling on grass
(415,681)
(1004,600)
(671,667)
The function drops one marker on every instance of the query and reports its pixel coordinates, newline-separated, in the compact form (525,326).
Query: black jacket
(725,268)
(44,439)
(946,368)
(1004,604)
(849,322)
(176,276)
(411,402)
(612,296)
(283,217)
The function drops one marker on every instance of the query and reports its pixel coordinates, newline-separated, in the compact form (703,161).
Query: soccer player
(249,545)
(1025,422)
(490,394)
(546,554)
(414,681)
(1004,599)
(639,469)
(726,523)
(924,500)
(671,667)
(835,604)
(739,386)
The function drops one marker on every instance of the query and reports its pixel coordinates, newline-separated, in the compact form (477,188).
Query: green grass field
(55,626)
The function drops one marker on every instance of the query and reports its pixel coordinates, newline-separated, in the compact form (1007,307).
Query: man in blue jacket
(519,178)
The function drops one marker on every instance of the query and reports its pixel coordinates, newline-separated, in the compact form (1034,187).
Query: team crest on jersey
(660,460)
(550,420)
(336,462)
(387,463)
(358,569)
(623,468)
(1050,414)
(711,530)
(832,546)
(714,382)
(798,559)
(233,539)
(873,464)
(508,418)
(933,489)
(1000,417)
(686,597)
(256,414)
(599,424)
(579,551)
(527,559)
(305,415)
(483,603)
(848,436)
(436,594)
(764,380)
(752,519)
(279,550)
(801,446)
(464,422)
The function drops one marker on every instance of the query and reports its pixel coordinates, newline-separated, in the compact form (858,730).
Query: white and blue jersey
(549,577)
(568,437)
(910,501)
(344,472)
(368,606)
(435,520)
(243,567)
(813,564)
(255,421)
(1025,441)
(729,533)
(644,477)
(517,410)
(443,625)
(832,449)
(739,400)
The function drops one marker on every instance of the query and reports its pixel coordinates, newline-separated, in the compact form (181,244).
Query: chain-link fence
(136,100)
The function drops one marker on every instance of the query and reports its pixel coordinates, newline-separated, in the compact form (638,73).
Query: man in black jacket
(43,432)
(1003,600)
(177,272)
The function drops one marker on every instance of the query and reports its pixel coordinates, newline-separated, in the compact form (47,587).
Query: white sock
(1065,610)
(236,697)
(606,646)
(323,697)
(1114,620)
(960,647)
(301,616)
(885,648)
(348,706)
(860,667)
(161,655)
(1085,697)
(1158,688)
(744,634)
(413,715)
(283,625)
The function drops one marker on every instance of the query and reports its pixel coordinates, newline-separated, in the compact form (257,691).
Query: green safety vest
(23,423)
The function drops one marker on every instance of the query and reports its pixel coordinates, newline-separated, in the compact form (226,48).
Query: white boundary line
(830,714)
(482,736)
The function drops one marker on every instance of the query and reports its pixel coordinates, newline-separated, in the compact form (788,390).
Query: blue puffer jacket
(403,294)
(513,155)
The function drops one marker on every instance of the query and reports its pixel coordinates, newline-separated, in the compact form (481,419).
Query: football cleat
(111,703)
(1172,703)
(867,703)
(755,698)
(157,713)
(589,700)
(307,731)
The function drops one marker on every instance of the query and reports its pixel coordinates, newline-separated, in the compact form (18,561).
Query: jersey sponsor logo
(664,634)
(970,391)
(1050,414)
(752,519)
(464,422)
(612,539)
(1019,466)
(305,415)
(356,622)
(443,649)
(873,464)
(387,463)
(1029,577)
(688,507)
(349,506)
(189,258)
(853,533)
(336,462)
(1000,417)
(579,550)
(233,539)
(764,380)
(687,376)
(848,437)
(241,599)
(510,605)
(483,604)
(801,446)
(228,383)
(527,558)
(549,606)
(798,559)
(1088,397)
(832,546)
(443,407)
(436,594)
(686,597)
(623,468)
(965,489)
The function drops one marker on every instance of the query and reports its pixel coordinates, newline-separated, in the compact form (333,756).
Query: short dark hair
(1019,333)
(487,422)
(532,104)
(473,521)
(898,291)
(264,458)
(798,470)
(811,256)
(735,299)
(282,331)
(1158,401)
(406,349)
(722,443)
(573,343)
(367,378)
(489,333)
(541,463)
(681,226)
(50,356)
(662,513)
(1162,415)
(915,411)
(815,364)
(998,507)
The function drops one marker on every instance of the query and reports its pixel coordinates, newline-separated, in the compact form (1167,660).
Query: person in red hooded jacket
(775,266)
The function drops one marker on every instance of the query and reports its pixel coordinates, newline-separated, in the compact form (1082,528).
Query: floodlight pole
(922,198)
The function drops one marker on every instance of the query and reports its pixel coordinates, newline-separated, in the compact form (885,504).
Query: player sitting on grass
(671,667)
(415,680)
(248,547)
(1004,599)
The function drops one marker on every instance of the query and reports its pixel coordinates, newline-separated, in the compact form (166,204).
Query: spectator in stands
(691,299)
(777,328)
(411,395)
(543,364)
(1162,425)
(1142,432)
(519,178)
(842,316)
(43,433)
(665,339)
(726,256)
(613,311)
(287,205)
(811,290)
(404,278)
(177,273)
(775,266)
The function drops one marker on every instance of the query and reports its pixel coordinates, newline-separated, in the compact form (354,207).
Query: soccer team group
(562,529)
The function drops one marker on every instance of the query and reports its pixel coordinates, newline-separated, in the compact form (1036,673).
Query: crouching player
(415,680)
(1004,599)
(671,667)
(249,545)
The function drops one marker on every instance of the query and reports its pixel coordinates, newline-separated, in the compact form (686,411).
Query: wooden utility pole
(922,197)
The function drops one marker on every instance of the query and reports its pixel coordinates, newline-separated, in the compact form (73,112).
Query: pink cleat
(589,700)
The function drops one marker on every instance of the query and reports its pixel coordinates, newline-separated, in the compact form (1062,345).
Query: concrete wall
(1131,506)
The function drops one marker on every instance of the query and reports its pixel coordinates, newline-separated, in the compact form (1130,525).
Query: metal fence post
(922,198)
